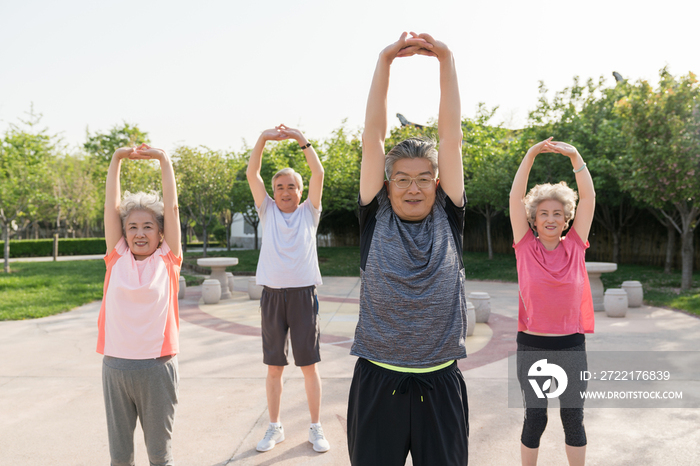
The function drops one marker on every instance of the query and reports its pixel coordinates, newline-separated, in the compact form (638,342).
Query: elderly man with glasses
(407,393)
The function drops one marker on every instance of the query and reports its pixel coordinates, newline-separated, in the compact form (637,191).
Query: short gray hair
(412,148)
(547,191)
(148,202)
(288,171)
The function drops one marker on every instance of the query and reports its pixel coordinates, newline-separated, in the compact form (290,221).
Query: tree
(670,233)
(239,192)
(400,133)
(204,178)
(341,155)
(24,157)
(102,145)
(76,196)
(489,165)
(663,154)
(242,200)
(586,117)
(135,176)
(598,133)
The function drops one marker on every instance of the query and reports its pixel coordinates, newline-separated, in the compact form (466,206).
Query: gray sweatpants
(147,390)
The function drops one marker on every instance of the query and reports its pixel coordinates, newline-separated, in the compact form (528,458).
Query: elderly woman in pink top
(555,308)
(138,321)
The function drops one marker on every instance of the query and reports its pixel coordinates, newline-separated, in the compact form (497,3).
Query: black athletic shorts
(391,413)
(286,311)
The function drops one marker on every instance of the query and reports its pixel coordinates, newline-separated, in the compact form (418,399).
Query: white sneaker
(318,440)
(273,436)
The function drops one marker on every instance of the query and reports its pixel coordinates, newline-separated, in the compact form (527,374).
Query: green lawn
(38,289)
(333,262)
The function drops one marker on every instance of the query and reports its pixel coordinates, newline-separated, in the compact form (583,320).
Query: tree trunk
(617,233)
(488,233)
(6,236)
(183,235)
(204,233)
(228,235)
(687,258)
(616,246)
(689,217)
(670,247)
(255,229)
(614,219)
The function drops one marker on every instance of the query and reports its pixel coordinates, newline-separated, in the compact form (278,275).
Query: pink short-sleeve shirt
(555,294)
(139,316)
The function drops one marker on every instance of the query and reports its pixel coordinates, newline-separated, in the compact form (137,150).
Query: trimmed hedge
(44,247)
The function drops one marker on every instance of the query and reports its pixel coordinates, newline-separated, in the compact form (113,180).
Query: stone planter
(211,291)
(482,305)
(229,275)
(471,319)
(181,290)
(254,291)
(635,293)
(615,302)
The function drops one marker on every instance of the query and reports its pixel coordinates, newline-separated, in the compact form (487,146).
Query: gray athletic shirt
(413,309)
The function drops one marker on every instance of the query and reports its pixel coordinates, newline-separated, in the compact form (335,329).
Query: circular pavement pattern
(501,339)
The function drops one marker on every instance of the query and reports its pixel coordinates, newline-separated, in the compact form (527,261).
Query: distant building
(242,234)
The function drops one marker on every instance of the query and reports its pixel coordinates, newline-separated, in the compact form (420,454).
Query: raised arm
(255,181)
(171,215)
(518,215)
(450,168)
(316,181)
(376,123)
(113,222)
(586,192)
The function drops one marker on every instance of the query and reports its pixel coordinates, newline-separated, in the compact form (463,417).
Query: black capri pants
(569,353)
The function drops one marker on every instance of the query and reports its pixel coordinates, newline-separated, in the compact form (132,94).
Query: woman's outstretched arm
(586,192)
(518,215)
(171,214)
(113,222)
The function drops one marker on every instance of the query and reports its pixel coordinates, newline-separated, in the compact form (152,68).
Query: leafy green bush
(44,247)
(219,233)
(83,246)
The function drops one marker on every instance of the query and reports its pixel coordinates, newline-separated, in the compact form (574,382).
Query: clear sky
(217,73)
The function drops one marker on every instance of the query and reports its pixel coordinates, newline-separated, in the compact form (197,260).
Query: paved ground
(51,408)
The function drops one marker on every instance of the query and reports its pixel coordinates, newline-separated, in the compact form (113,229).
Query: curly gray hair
(547,191)
(148,202)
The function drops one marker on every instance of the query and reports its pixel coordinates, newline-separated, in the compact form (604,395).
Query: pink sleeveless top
(555,294)
(139,315)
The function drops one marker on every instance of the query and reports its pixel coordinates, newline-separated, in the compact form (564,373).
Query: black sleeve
(368,220)
(455,217)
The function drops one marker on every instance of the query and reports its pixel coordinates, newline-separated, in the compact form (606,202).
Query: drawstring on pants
(406,380)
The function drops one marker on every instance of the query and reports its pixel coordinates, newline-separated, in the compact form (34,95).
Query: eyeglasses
(405,181)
